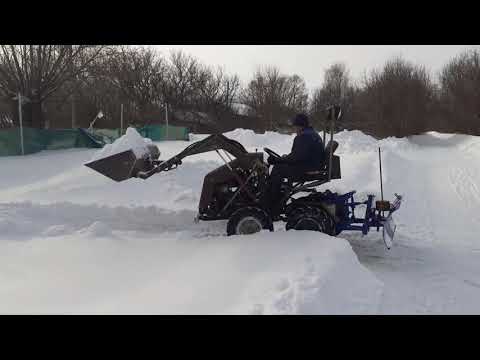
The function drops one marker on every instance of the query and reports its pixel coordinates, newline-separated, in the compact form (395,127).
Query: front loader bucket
(121,166)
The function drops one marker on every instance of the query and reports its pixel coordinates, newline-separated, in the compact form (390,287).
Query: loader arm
(211,143)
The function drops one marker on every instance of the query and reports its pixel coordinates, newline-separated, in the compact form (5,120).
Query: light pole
(74,114)
(121,119)
(166,117)
(21,99)
(21,123)
(99,116)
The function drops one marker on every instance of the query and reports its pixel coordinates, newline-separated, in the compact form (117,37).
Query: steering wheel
(272,153)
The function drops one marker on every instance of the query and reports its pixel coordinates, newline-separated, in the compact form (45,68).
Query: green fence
(35,140)
(106,135)
(159,132)
(153,132)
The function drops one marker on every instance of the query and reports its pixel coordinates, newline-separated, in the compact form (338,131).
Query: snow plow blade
(121,166)
(389,228)
(389,225)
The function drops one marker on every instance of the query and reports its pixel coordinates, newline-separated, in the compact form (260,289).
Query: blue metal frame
(372,218)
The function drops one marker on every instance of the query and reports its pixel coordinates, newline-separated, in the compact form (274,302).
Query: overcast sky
(310,61)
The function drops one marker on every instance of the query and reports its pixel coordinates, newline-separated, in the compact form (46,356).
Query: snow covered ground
(73,241)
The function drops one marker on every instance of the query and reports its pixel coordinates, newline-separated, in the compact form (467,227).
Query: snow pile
(97,229)
(330,281)
(93,271)
(57,230)
(196,137)
(251,141)
(132,140)
(351,142)
(471,147)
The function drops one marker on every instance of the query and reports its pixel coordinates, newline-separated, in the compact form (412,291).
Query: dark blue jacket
(307,151)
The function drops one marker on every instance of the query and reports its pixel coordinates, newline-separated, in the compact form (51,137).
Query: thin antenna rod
(381,178)
(332,119)
(324,133)
(325,124)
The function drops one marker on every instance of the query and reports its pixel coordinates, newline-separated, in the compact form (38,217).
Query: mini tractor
(237,198)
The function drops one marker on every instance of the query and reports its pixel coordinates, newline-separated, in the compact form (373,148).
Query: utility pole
(166,118)
(20,119)
(74,120)
(121,119)
(71,69)
(332,120)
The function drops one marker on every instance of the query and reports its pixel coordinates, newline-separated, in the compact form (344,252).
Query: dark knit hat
(300,120)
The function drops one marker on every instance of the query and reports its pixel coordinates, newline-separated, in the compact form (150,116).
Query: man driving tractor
(308,154)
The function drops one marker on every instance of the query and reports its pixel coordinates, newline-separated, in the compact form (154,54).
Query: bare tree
(218,92)
(275,97)
(144,82)
(206,89)
(229,90)
(397,100)
(181,84)
(100,91)
(460,92)
(337,89)
(138,74)
(295,94)
(38,71)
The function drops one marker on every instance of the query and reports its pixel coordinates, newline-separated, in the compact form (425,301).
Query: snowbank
(100,269)
(251,141)
(321,278)
(350,142)
(131,140)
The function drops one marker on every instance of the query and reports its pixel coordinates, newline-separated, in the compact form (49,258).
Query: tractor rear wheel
(312,219)
(248,220)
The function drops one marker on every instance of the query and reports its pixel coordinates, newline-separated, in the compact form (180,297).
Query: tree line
(66,85)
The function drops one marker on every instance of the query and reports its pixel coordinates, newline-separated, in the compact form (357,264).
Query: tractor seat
(310,177)
(322,174)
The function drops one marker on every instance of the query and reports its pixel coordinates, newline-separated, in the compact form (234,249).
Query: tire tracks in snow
(465,187)
(27,220)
